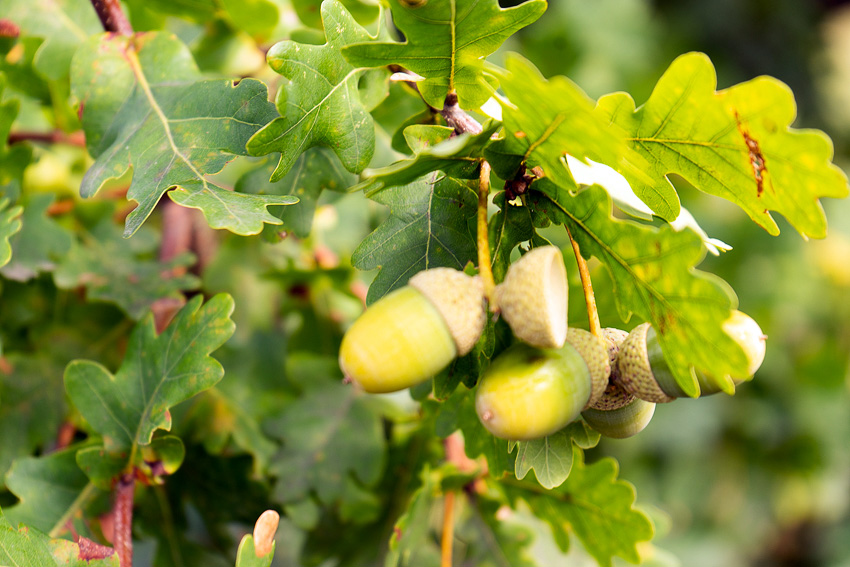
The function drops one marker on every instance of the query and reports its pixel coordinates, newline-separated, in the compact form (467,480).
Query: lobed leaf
(38,244)
(593,505)
(159,371)
(654,277)
(551,457)
(446,43)
(735,143)
(10,224)
(144,105)
(320,103)
(428,227)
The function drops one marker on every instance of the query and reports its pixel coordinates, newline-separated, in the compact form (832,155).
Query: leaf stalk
(587,286)
(485,268)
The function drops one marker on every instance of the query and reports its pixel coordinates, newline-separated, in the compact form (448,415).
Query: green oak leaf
(10,224)
(551,457)
(654,277)
(319,104)
(735,143)
(434,149)
(13,160)
(429,226)
(163,456)
(119,271)
(28,547)
(446,43)
(47,486)
(64,25)
(546,119)
(332,431)
(39,242)
(593,505)
(246,556)
(158,371)
(506,229)
(458,413)
(314,171)
(144,105)
(32,407)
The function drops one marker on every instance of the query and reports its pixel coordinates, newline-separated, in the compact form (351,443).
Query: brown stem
(589,298)
(457,118)
(112,17)
(448,529)
(485,269)
(9,29)
(122,517)
(77,138)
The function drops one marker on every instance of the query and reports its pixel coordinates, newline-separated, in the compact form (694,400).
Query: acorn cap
(459,299)
(592,350)
(614,396)
(533,298)
(623,422)
(642,370)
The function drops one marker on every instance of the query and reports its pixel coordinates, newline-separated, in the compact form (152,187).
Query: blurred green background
(763,478)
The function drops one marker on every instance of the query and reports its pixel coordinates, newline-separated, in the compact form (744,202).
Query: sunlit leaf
(320,103)
(428,227)
(446,43)
(144,105)
(551,458)
(735,143)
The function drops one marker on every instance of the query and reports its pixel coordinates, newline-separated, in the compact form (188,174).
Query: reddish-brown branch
(9,29)
(112,17)
(455,117)
(122,519)
(77,138)
(587,286)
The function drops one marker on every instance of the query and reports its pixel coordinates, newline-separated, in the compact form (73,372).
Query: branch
(122,518)
(112,17)
(589,298)
(77,138)
(457,118)
(448,529)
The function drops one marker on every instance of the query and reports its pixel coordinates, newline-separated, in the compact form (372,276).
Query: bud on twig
(264,531)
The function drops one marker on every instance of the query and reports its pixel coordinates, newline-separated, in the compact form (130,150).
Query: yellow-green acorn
(414,332)
(622,422)
(747,333)
(533,298)
(614,396)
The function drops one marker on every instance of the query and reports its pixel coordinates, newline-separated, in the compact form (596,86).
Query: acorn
(747,333)
(642,370)
(594,351)
(625,421)
(533,297)
(411,334)
(614,397)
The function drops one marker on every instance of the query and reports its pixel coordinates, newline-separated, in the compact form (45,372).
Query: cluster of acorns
(550,377)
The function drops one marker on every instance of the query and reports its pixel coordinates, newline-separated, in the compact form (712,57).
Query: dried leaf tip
(264,531)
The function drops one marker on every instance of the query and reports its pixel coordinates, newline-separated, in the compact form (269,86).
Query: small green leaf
(158,372)
(64,25)
(10,224)
(593,505)
(39,242)
(735,143)
(654,277)
(162,457)
(551,458)
(446,43)
(507,228)
(47,486)
(246,556)
(116,270)
(333,432)
(145,106)
(314,171)
(320,104)
(428,227)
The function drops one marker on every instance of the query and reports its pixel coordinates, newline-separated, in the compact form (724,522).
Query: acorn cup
(411,334)
(528,392)
(533,298)
(614,397)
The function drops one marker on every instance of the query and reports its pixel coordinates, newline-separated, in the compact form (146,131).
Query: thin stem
(448,529)
(54,137)
(587,286)
(457,118)
(112,16)
(485,269)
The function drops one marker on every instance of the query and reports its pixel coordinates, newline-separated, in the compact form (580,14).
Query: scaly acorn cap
(459,299)
(623,422)
(533,298)
(614,396)
(592,350)
(642,369)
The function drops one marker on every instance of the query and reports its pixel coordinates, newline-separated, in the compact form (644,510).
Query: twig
(122,519)
(485,269)
(587,286)
(457,118)
(448,529)
(112,17)
(9,29)
(77,138)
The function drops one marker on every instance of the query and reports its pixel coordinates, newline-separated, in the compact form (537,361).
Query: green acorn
(622,422)
(747,333)
(642,370)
